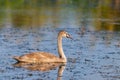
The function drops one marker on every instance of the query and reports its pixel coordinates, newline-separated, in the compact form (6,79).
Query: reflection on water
(43,67)
(60,72)
(39,66)
(96,14)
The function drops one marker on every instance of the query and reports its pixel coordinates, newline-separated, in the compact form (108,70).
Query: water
(92,55)
(32,26)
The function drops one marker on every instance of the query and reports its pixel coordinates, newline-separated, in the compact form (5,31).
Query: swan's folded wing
(38,57)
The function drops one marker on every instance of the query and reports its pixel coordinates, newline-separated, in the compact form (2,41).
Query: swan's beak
(68,36)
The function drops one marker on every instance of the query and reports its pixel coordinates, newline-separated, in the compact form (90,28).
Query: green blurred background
(93,14)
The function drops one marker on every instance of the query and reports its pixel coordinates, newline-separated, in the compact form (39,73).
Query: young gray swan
(40,57)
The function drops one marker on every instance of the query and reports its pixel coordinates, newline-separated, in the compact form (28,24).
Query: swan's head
(65,34)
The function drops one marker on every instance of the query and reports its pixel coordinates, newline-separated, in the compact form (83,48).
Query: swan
(41,57)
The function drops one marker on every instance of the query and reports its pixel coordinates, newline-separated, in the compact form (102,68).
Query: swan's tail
(16,58)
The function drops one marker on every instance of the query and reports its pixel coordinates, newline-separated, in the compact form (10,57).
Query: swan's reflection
(60,72)
(43,67)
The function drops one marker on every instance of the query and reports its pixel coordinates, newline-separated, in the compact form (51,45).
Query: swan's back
(38,57)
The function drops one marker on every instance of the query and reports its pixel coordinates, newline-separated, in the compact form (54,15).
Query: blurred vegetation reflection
(95,14)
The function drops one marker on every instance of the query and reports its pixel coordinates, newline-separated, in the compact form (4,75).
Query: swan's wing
(37,57)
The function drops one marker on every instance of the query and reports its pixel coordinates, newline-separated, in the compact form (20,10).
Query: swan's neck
(60,49)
